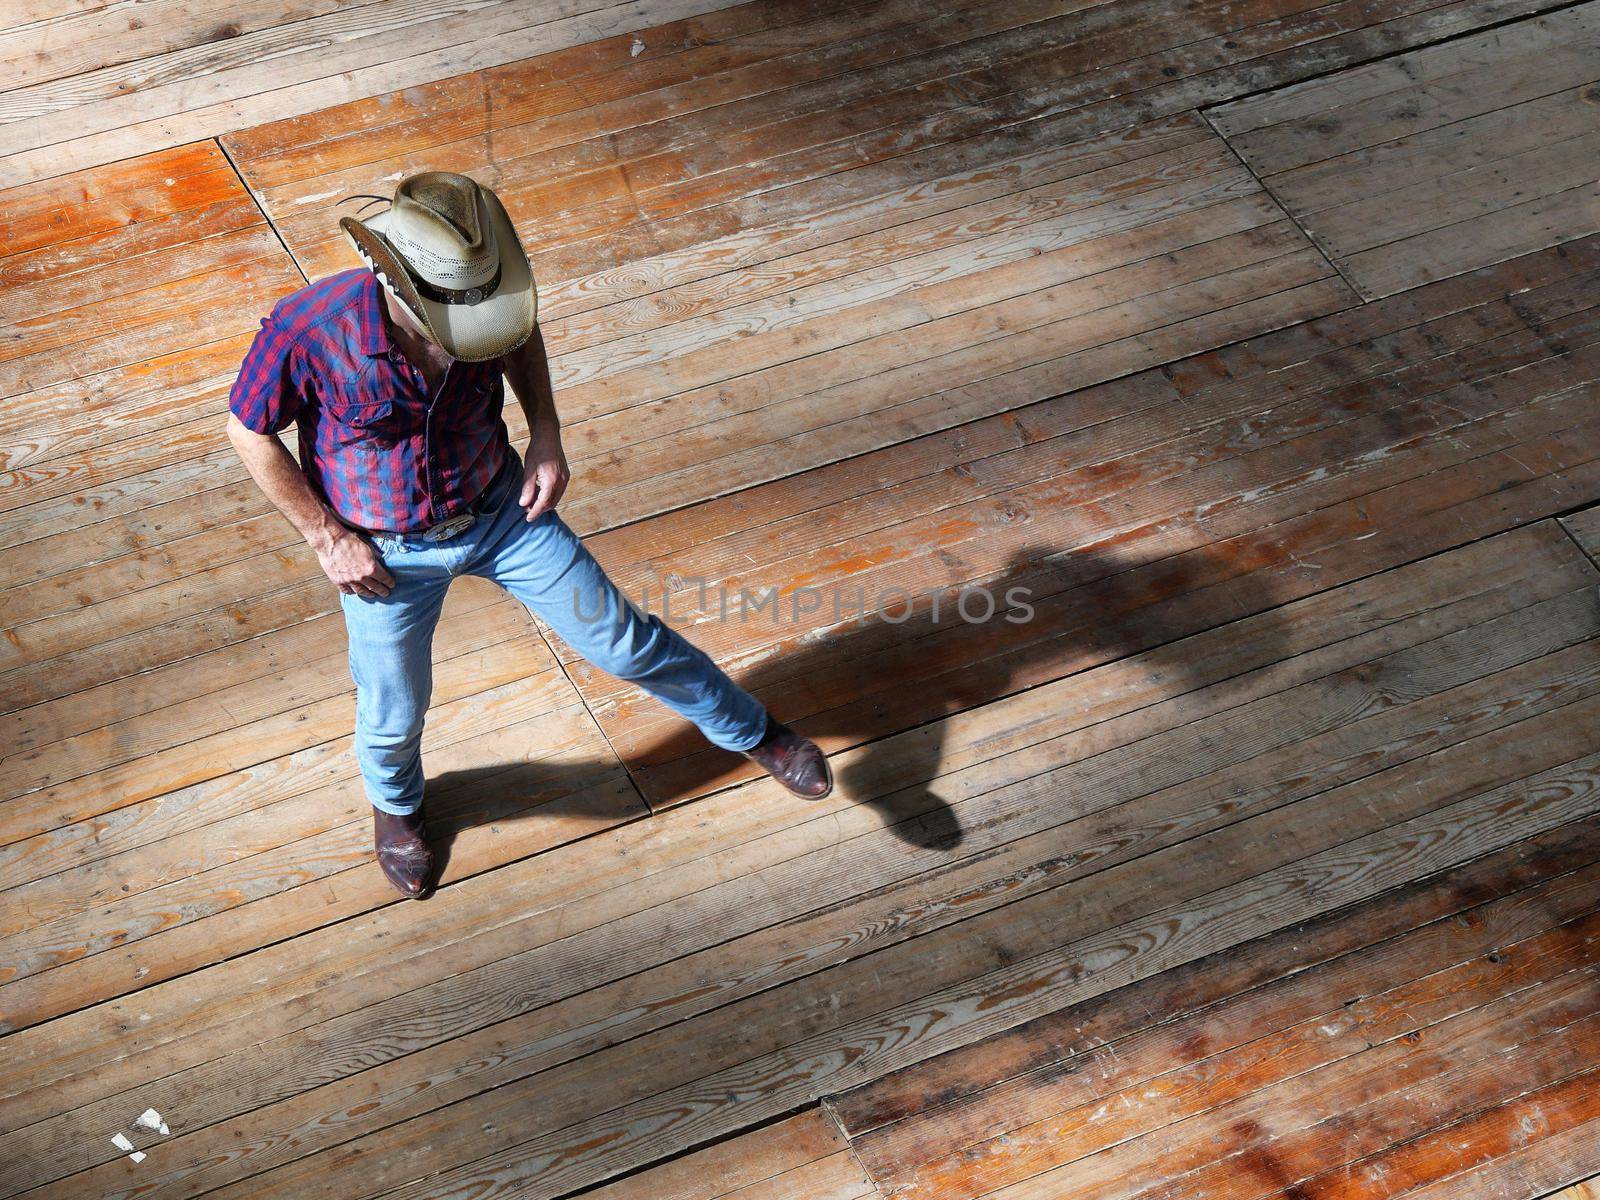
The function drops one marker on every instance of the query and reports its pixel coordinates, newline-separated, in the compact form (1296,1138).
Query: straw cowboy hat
(447,251)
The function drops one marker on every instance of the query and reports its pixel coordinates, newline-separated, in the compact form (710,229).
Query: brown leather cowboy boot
(403,852)
(794,761)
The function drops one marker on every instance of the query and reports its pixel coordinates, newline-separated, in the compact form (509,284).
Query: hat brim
(469,332)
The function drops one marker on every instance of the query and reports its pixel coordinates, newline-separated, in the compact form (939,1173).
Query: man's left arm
(545,464)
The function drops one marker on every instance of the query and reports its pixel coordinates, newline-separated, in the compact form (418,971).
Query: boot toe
(403,853)
(813,780)
(794,761)
(409,883)
(410,874)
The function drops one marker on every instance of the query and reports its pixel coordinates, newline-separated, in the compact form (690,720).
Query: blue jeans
(544,565)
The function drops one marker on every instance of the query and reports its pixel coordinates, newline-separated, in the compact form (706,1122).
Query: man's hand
(545,475)
(545,465)
(354,566)
(347,558)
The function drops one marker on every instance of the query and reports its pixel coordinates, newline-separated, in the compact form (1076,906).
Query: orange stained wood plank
(99,199)
(1168,1012)
(1447,1156)
(116,265)
(1537,1169)
(1362,1057)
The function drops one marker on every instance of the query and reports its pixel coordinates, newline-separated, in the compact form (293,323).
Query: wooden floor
(90,82)
(1443,159)
(1248,350)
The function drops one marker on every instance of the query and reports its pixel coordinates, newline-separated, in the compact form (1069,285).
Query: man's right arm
(347,558)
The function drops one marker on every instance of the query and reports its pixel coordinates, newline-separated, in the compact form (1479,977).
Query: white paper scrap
(149,1118)
(137,1156)
(121,1142)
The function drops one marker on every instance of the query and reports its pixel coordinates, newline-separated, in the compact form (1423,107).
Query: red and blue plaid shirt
(375,446)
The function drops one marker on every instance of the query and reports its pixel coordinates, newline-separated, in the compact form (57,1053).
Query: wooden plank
(1012,669)
(1552,574)
(185,703)
(1584,527)
(1356,1102)
(174,81)
(1479,883)
(968,1089)
(185,764)
(1544,221)
(903,303)
(48,348)
(154,406)
(645,153)
(1358,345)
(805,879)
(1528,1171)
(50,417)
(718,61)
(488,787)
(88,37)
(1458,146)
(112,266)
(28,11)
(46,827)
(1204,1082)
(1415,92)
(244,92)
(957,308)
(264,853)
(1407,170)
(142,189)
(804,550)
(1555,1109)
(842,1054)
(801,1157)
(909,279)
(1462,196)
(1587,1190)
(1219,65)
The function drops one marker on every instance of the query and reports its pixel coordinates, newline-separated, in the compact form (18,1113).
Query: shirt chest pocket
(364,408)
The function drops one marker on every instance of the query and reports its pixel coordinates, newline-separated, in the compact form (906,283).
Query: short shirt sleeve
(267,395)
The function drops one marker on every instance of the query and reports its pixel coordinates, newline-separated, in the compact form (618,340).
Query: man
(407,478)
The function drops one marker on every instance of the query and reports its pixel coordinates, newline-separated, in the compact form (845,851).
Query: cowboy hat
(447,251)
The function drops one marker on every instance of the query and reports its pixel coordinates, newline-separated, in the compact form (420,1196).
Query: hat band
(468,296)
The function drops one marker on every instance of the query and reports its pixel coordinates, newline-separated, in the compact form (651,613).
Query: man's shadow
(885,682)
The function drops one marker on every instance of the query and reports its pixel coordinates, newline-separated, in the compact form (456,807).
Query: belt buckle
(449,529)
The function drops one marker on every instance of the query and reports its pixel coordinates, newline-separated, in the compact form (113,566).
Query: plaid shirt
(372,443)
